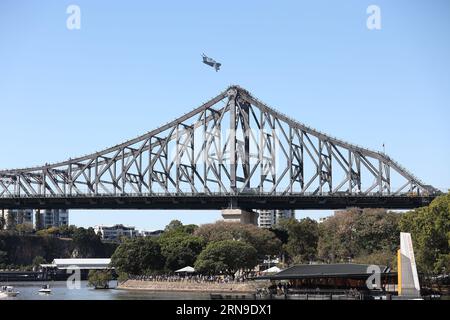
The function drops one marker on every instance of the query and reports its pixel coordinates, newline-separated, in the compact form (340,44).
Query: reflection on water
(29,291)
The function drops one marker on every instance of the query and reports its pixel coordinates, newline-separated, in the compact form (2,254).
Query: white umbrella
(186,269)
(272,270)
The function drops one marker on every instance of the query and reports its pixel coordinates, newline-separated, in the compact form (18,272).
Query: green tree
(180,250)
(430,232)
(190,228)
(67,231)
(99,279)
(382,257)
(336,237)
(173,225)
(37,261)
(281,233)
(264,241)
(122,277)
(356,233)
(24,228)
(303,237)
(377,230)
(226,257)
(177,228)
(138,256)
(87,242)
(3,258)
(42,233)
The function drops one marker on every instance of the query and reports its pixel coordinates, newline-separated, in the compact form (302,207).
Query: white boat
(45,289)
(8,291)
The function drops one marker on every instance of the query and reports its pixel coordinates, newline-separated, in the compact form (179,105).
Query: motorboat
(8,291)
(45,289)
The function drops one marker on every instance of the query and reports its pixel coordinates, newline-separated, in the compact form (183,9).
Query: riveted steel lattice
(233,148)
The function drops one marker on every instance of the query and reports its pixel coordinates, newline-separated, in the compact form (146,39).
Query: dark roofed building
(326,270)
(331,277)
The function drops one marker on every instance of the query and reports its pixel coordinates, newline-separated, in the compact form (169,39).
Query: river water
(60,291)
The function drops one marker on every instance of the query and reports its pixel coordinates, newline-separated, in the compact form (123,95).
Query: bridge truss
(234,150)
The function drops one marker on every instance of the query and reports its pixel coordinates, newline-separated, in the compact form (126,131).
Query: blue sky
(134,65)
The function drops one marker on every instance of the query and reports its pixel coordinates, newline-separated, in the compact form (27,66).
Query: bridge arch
(233,149)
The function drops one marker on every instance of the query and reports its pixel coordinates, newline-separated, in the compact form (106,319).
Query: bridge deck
(216,202)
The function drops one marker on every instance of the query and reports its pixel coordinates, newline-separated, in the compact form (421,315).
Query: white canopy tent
(187,269)
(272,270)
(83,264)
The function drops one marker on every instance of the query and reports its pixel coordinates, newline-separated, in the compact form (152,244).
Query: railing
(214,194)
(321,294)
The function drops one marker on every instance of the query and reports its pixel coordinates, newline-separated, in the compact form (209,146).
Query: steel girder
(232,145)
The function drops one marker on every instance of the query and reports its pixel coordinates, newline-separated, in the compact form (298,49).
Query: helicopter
(211,62)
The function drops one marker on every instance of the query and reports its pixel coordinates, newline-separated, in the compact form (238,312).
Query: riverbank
(6,276)
(185,286)
(60,291)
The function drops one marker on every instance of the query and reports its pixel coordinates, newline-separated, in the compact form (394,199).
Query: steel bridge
(233,151)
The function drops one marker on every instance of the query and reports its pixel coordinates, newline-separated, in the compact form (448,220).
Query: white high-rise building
(18,216)
(114,233)
(54,218)
(155,233)
(271,218)
(49,218)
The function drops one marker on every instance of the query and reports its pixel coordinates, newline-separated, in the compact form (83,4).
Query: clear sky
(134,65)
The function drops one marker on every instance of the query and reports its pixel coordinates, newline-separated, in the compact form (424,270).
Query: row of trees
(430,230)
(363,236)
(212,248)
(372,236)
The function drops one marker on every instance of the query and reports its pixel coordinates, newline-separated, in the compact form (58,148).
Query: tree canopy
(360,235)
(138,256)
(3,258)
(24,228)
(430,232)
(264,241)
(353,233)
(180,250)
(173,225)
(226,257)
(86,241)
(38,260)
(99,279)
(303,235)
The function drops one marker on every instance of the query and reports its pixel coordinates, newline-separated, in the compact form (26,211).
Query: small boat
(45,289)
(8,291)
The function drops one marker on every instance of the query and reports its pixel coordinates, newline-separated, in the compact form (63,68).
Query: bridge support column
(240,215)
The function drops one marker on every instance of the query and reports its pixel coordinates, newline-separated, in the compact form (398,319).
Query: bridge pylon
(244,216)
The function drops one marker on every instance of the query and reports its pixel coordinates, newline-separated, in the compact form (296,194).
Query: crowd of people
(191,278)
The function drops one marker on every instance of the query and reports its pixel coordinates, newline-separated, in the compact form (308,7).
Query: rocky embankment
(247,287)
(22,249)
